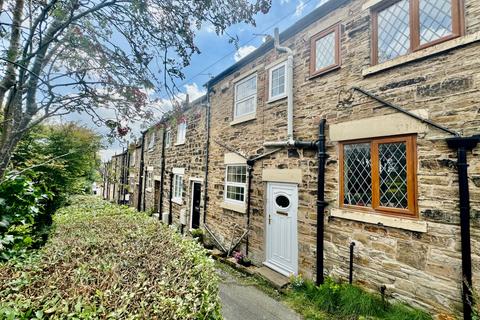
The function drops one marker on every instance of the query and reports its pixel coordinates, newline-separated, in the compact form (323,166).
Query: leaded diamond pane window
(393,31)
(393,175)
(435,20)
(325,50)
(410,25)
(357,174)
(379,175)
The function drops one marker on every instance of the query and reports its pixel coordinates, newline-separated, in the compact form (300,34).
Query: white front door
(281,230)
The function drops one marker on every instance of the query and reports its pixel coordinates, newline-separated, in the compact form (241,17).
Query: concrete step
(276,279)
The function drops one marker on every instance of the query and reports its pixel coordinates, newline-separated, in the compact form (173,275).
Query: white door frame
(294,237)
(192,181)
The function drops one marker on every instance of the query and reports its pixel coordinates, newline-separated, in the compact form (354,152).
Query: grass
(343,301)
(331,300)
(106,261)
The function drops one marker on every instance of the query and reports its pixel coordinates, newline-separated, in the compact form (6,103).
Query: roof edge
(298,26)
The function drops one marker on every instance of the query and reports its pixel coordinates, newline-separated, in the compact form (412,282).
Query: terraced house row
(351,131)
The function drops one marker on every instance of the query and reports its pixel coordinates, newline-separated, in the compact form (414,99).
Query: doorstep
(275,279)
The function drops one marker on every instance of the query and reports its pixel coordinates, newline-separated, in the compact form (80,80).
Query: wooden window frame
(235,184)
(177,189)
(458,26)
(181,134)
(168,138)
(411,148)
(333,29)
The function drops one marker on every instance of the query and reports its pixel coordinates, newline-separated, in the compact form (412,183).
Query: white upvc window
(177,188)
(277,82)
(151,142)
(181,132)
(149,179)
(133,157)
(235,183)
(245,96)
(168,138)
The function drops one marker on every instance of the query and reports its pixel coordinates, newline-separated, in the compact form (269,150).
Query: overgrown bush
(108,261)
(23,214)
(333,300)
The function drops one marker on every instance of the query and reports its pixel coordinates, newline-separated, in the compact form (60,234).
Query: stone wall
(422,268)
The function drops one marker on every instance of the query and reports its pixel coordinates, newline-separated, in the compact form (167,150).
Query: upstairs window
(325,51)
(151,142)
(245,97)
(133,157)
(235,183)
(168,138)
(379,175)
(181,132)
(277,82)
(149,179)
(409,25)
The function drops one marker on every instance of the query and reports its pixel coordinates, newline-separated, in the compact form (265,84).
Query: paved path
(245,302)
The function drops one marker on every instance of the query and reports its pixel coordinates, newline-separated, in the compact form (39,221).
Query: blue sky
(218,54)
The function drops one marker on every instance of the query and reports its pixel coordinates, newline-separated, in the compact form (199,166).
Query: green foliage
(344,301)
(50,163)
(22,208)
(110,262)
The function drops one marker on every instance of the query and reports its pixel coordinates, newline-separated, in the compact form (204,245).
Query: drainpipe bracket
(463,142)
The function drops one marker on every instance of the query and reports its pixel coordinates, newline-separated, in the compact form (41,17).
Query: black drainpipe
(170,217)
(207,154)
(250,164)
(462,145)
(321,204)
(140,174)
(162,175)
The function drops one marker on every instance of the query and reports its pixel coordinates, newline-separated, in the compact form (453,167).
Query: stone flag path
(245,302)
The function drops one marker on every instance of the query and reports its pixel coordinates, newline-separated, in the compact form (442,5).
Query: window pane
(246,88)
(393,175)
(237,174)
(278,82)
(325,51)
(435,19)
(357,174)
(245,107)
(235,193)
(393,31)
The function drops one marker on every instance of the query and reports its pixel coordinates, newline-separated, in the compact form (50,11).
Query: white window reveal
(168,138)
(277,82)
(133,157)
(177,188)
(181,132)
(151,142)
(245,96)
(235,183)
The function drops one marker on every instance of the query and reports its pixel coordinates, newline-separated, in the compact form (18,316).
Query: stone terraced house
(349,134)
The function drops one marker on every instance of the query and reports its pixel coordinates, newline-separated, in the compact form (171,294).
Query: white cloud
(299,9)
(243,52)
(321,3)
(193,91)
(107,154)
(282,2)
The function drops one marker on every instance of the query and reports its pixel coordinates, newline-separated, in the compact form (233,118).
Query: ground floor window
(235,183)
(177,187)
(379,174)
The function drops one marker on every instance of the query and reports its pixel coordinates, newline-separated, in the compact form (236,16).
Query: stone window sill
(180,143)
(381,220)
(245,118)
(275,99)
(148,189)
(234,207)
(436,49)
(177,201)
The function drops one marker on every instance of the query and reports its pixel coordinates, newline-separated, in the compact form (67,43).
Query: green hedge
(108,261)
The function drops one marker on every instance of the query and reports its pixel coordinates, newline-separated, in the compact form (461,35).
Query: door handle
(269,219)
